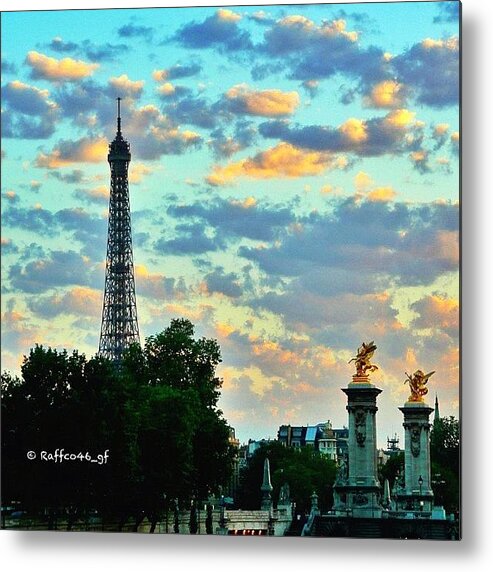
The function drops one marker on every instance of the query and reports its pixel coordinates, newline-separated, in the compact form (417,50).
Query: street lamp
(420,482)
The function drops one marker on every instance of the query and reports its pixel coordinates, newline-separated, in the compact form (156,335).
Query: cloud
(437,312)
(123,86)
(311,86)
(84,150)
(29,112)
(11,196)
(363,137)
(51,69)
(157,286)
(243,135)
(261,17)
(154,134)
(447,12)
(375,244)
(74,177)
(237,218)
(8,67)
(440,135)
(420,160)
(135,31)
(431,70)
(104,52)
(455,142)
(60,269)
(137,171)
(223,283)
(303,46)
(296,33)
(177,71)
(87,228)
(190,239)
(195,111)
(282,161)
(81,301)
(266,103)
(8,247)
(381,194)
(169,91)
(58,44)
(362,181)
(35,219)
(220,31)
(387,94)
(99,195)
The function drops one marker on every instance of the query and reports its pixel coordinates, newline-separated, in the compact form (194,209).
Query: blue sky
(294,190)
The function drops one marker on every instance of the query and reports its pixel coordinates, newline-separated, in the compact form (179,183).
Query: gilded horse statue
(417,382)
(362,359)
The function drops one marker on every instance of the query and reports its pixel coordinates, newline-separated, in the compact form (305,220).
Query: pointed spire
(119,119)
(266,484)
(266,487)
(437,411)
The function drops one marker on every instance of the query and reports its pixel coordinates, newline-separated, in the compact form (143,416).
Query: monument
(119,327)
(416,493)
(357,489)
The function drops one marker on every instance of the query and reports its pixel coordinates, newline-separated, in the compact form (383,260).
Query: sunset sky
(294,188)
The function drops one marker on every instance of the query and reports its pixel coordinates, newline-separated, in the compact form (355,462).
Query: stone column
(417,494)
(363,488)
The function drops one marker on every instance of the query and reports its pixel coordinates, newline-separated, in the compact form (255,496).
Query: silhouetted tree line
(156,415)
(305,470)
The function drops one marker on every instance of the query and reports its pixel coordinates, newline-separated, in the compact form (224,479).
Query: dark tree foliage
(157,416)
(305,470)
(445,463)
(393,466)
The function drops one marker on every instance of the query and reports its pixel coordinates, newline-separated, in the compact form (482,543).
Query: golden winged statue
(362,359)
(417,382)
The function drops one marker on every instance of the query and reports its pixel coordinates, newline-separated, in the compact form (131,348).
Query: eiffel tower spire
(119,327)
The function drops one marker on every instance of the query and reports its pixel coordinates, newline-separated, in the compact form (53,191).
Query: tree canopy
(156,416)
(305,470)
(445,462)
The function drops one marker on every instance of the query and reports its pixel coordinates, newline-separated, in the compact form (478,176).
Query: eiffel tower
(119,327)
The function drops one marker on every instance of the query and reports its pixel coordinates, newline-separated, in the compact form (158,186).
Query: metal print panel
(230,270)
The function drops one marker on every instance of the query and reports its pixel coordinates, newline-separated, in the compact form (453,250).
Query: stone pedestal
(417,494)
(357,492)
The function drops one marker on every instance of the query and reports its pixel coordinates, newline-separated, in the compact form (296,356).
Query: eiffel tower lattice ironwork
(119,327)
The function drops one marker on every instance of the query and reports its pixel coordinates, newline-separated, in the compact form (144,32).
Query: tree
(173,359)
(445,462)
(305,470)
(393,466)
(157,417)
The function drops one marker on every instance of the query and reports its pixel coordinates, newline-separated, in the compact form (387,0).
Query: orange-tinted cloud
(437,312)
(400,118)
(66,69)
(362,181)
(84,150)
(227,15)
(267,103)
(123,84)
(381,194)
(137,171)
(451,44)
(354,130)
(386,94)
(282,161)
